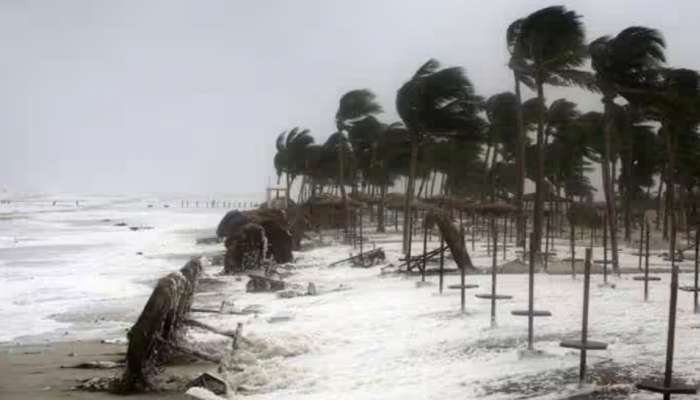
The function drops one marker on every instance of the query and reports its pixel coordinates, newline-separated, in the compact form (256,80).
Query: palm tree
(624,65)
(550,46)
(291,155)
(435,101)
(517,65)
(354,105)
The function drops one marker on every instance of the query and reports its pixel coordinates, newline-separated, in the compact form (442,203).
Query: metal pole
(584,324)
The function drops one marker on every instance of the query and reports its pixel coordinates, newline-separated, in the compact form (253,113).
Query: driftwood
(258,283)
(157,328)
(452,238)
(372,256)
(418,260)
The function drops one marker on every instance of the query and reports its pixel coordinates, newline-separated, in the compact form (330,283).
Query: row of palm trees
(475,146)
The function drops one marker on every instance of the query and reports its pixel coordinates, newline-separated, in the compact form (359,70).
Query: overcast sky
(188,96)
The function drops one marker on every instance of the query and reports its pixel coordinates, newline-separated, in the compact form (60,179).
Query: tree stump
(157,326)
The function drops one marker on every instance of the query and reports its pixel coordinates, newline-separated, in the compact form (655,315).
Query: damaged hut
(254,235)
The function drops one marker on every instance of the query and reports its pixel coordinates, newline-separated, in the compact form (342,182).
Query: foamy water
(68,270)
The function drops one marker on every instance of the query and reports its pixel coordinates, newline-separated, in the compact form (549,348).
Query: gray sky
(188,96)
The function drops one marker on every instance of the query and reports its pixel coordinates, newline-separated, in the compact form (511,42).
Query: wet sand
(34,371)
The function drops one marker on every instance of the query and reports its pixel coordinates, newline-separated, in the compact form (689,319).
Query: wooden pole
(531,293)
(493,273)
(463,298)
(573,248)
(546,239)
(361,240)
(641,245)
(584,323)
(442,260)
(605,248)
(696,307)
(425,245)
(505,236)
(646,265)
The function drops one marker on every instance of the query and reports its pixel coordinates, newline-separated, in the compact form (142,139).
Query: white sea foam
(66,258)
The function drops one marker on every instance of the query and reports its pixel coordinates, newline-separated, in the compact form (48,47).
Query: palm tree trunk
(538,212)
(659,197)
(520,165)
(670,181)
(380,209)
(608,187)
(341,183)
(408,199)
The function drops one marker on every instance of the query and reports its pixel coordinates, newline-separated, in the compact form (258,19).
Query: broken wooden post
(584,344)
(530,313)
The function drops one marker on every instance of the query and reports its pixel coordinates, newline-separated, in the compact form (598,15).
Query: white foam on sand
(71,259)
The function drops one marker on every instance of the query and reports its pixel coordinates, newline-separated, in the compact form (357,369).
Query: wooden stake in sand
(695,288)
(584,344)
(530,313)
(494,271)
(646,278)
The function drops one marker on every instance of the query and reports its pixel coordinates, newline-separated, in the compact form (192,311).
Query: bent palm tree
(435,101)
(291,155)
(354,105)
(550,43)
(624,65)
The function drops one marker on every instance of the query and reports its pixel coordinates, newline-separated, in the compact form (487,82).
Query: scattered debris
(210,382)
(258,283)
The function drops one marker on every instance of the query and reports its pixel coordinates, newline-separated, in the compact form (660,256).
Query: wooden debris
(259,283)
(157,327)
(211,382)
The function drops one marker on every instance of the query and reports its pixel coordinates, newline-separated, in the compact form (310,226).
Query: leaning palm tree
(624,65)
(435,101)
(550,46)
(517,65)
(290,158)
(354,105)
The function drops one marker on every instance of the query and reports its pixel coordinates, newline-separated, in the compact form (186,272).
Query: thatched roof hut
(496,209)
(274,223)
(395,201)
(326,211)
